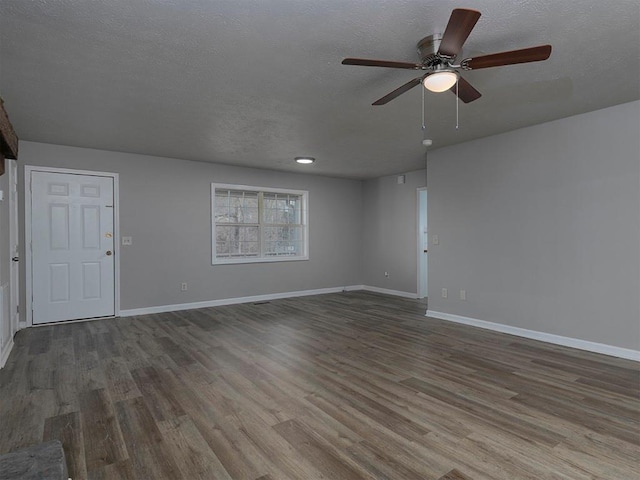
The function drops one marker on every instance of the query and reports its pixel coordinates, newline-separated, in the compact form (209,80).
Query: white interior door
(72,246)
(14,271)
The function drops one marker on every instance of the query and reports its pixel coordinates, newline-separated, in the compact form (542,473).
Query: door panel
(91,274)
(59,284)
(72,243)
(58,226)
(90,227)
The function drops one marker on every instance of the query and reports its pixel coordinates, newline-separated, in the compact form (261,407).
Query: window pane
(237,241)
(221,206)
(269,205)
(295,210)
(232,206)
(282,209)
(283,241)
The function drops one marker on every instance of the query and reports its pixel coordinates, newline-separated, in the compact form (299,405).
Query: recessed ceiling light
(305,160)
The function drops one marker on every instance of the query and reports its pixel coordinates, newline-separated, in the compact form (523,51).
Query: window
(254,224)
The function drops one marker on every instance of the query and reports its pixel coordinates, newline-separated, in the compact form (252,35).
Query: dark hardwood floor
(341,386)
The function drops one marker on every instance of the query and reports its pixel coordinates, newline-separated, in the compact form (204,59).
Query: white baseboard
(234,301)
(259,298)
(5,354)
(386,291)
(544,337)
(4,318)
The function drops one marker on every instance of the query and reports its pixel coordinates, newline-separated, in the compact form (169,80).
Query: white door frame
(27,237)
(14,247)
(419,238)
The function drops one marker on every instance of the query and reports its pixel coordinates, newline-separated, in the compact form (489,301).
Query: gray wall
(390,232)
(541,227)
(165,207)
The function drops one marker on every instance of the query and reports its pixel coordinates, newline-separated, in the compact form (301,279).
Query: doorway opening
(14,248)
(9,285)
(422,242)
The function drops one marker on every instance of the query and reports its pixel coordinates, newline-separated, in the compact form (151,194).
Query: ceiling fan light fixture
(305,160)
(440,81)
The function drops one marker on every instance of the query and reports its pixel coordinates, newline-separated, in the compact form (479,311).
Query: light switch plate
(127,240)
(436,240)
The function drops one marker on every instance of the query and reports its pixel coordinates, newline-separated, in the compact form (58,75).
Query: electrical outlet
(386,274)
(127,240)
(445,294)
(183,286)
(463,294)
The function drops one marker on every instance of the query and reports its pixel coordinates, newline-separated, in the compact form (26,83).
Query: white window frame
(260,259)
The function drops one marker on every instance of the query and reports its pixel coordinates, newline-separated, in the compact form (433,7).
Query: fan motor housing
(428,50)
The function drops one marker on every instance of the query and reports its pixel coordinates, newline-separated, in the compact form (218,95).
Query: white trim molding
(6,353)
(386,291)
(258,298)
(234,301)
(260,223)
(602,348)
(5,317)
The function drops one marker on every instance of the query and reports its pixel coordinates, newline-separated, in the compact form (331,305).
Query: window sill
(233,261)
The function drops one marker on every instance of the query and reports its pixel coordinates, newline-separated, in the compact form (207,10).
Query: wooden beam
(8,137)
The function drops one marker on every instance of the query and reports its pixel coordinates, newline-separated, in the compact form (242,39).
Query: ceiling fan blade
(398,91)
(466,92)
(380,63)
(525,55)
(458,29)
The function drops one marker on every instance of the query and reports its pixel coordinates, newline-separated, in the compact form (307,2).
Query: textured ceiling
(256,83)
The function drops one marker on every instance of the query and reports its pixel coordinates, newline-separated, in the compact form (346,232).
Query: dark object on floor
(44,461)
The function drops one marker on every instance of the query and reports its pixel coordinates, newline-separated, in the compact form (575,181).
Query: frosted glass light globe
(440,81)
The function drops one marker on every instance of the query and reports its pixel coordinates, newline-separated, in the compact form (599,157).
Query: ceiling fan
(438,53)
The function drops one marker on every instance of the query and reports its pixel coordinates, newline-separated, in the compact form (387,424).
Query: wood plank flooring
(341,386)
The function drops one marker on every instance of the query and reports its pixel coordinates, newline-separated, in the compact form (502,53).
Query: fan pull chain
(457,103)
(426,176)
(424,138)
(426,142)
(424,127)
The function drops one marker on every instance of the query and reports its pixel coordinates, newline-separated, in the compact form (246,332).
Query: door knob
(15,259)
(108,253)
